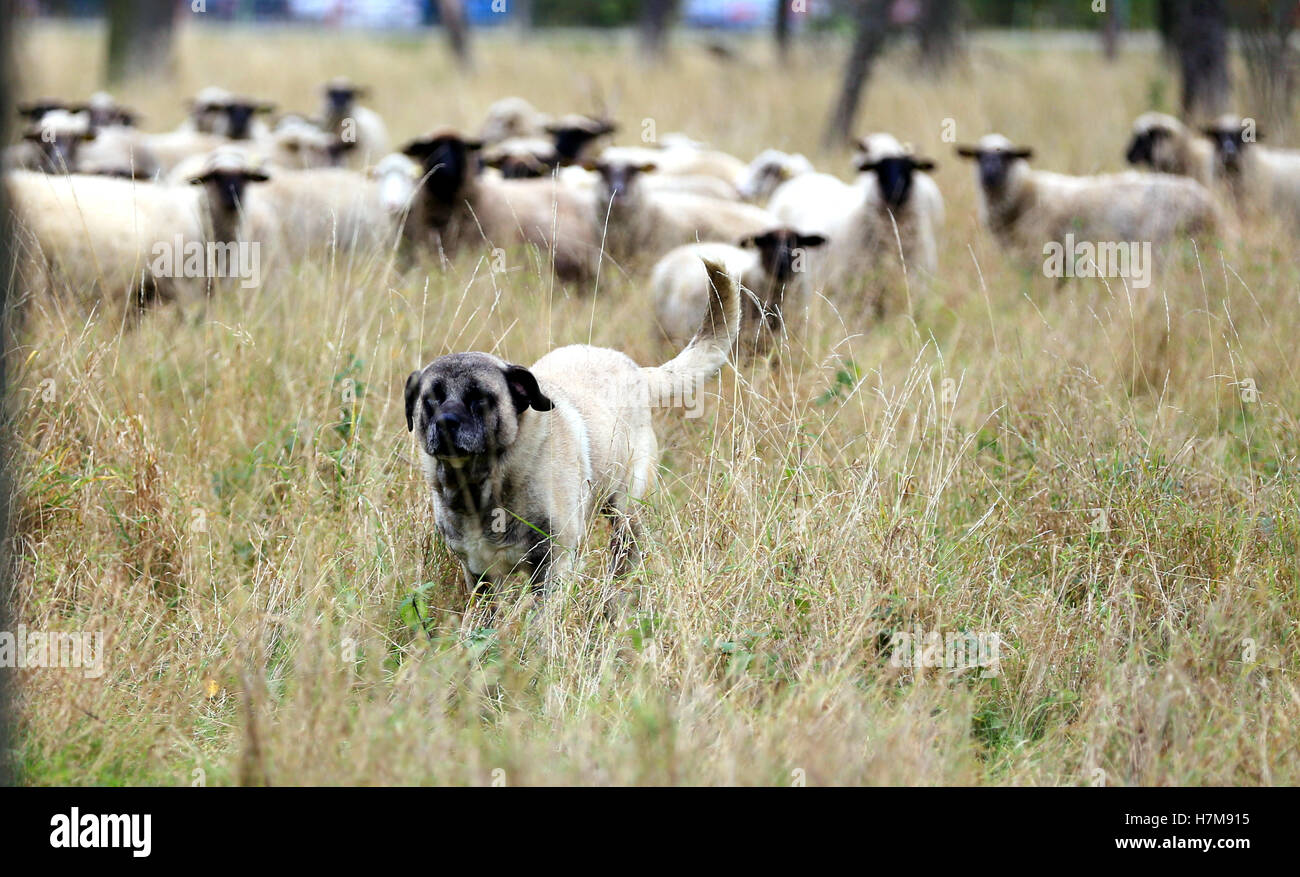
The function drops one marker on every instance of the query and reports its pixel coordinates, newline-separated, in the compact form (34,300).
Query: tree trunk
(1200,30)
(456,24)
(7,297)
(656,17)
(871,32)
(1112,27)
(524,14)
(937,32)
(782,31)
(1265,27)
(139,37)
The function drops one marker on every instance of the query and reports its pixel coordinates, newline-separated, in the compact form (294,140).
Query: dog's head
(469,405)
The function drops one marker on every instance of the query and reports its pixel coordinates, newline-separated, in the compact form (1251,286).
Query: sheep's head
(35,110)
(59,135)
(239,113)
(894,176)
(1231,136)
(299,144)
(618,177)
(225,176)
(1153,134)
(510,117)
(769,170)
(520,165)
(207,109)
(573,136)
(997,160)
(105,111)
(340,92)
(781,251)
(446,160)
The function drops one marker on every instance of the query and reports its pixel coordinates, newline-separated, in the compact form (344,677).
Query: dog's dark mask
(466,405)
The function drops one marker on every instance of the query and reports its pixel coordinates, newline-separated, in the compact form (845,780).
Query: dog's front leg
(480,610)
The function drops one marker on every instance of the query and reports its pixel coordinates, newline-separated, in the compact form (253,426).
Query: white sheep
(638,221)
(681,160)
(1163,143)
(572,141)
(360,129)
(457,208)
(117,242)
(769,169)
(878,227)
(512,117)
(1026,209)
(1261,179)
(768,266)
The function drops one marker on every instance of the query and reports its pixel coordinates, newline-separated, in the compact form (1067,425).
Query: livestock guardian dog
(520,461)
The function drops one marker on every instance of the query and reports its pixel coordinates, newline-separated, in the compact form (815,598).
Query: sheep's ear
(495,161)
(593,166)
(811,240)
(418,148)
(1021,152)
(866,164)
(412,395)
(968,151)
(256,176)
(525,391)
(264,108)
(31,109)
(924,164)
(647,167)
(200,179)
(748,242)
(472,145)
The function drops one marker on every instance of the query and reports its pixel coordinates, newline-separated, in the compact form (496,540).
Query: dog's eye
(481,403)
(439,393)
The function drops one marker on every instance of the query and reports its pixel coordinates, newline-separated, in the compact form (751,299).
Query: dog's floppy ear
(524,390)
(412,395)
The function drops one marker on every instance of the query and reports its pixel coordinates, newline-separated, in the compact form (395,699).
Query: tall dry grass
(1075,469)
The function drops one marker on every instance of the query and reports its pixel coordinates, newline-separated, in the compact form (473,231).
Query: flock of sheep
(96,199)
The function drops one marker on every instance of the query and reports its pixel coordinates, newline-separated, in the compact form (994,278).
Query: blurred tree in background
(139,37)
(1265,29)
(1199,30)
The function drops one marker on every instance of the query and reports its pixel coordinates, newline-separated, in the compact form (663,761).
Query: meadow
(1102,476)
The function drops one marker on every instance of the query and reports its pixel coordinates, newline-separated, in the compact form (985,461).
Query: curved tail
(680,377)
